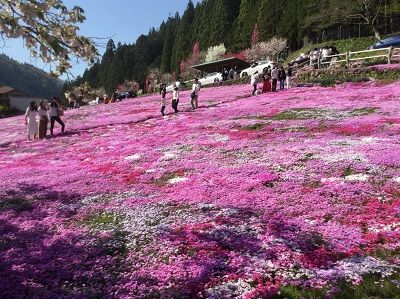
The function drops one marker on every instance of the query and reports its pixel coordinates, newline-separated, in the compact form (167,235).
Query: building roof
(220,64)
(8,89)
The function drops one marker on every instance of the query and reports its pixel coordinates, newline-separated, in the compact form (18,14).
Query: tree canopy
(50,30)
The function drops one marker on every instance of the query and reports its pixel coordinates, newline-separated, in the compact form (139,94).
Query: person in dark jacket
(282,78)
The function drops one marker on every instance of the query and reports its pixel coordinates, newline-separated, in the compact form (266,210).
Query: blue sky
(122,20)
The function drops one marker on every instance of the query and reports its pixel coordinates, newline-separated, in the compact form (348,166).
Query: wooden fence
(390,54)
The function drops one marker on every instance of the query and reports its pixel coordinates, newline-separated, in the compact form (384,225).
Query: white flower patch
(231,289)
(220,138)
(360,177)
(339,157)
(169,156)
(397,179)
(332,180)
(177,180)
(385,227)
(134,157)
(356,267)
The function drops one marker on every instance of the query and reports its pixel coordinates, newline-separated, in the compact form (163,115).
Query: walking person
(163,93)
(274,76)
(282,78)
(55,112)
(43,119)
(31,116)
(254,81)
(175,98)
(289,77)
(194,102)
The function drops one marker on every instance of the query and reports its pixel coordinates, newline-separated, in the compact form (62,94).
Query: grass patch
(254,127)
(102,221)
(17,204)
(299,114)
(363,111)
(372,286)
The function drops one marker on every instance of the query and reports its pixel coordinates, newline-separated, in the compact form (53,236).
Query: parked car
(211,78)
(391,41)
(259,67)
(126,95)
(303,58)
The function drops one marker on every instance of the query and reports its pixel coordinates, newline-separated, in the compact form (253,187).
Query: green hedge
(329,77)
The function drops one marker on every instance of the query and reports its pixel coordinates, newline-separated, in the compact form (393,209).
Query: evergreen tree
(181,48)
(248,15)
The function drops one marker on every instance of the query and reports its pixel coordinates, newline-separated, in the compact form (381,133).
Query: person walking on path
(163,93)
(31,116)
(43,119)
(289,77)
(274,76)
(254,81)
(55,112)
(194,102)
(282,78)
(175,98)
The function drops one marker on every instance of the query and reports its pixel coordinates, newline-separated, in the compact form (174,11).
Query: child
(163,92)
(175,98)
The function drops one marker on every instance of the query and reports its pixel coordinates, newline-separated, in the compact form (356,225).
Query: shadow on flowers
(40,256)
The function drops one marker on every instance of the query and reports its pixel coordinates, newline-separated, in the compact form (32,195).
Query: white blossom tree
(215,53)
(49,29)
(268,50)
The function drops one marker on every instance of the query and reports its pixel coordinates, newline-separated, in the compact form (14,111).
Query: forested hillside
(28,79)
(232,22)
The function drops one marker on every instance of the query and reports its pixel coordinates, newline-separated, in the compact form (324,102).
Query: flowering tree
(186,66)
(266,50)
(49,29)
(215,53)
(128,85)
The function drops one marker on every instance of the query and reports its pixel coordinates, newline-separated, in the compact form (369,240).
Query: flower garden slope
(295,191)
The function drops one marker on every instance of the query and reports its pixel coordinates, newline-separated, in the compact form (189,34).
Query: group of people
(270,78)
(229,74)
(194,96)
(37,118)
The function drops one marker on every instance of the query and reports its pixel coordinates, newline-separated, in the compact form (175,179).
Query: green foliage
(333,76)
(7,111)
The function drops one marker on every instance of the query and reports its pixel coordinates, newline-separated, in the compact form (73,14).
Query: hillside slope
(295,192)
(28,79)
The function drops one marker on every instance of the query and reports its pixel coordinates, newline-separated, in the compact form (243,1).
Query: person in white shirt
(175,98)
(254,81)
(54,113)
(31,116)
(274,76)
(43,120)
(195,94)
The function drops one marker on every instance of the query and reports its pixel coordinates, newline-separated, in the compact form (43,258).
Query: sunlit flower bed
(275,196)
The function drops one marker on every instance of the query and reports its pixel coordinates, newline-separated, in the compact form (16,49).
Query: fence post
(347,58)
(390,55)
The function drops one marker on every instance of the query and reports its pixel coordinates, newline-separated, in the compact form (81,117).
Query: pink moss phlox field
(237,199)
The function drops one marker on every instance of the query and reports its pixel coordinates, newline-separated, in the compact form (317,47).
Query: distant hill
(27,78)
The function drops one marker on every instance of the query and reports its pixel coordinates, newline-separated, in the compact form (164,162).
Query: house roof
(8,89)
(219,64)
